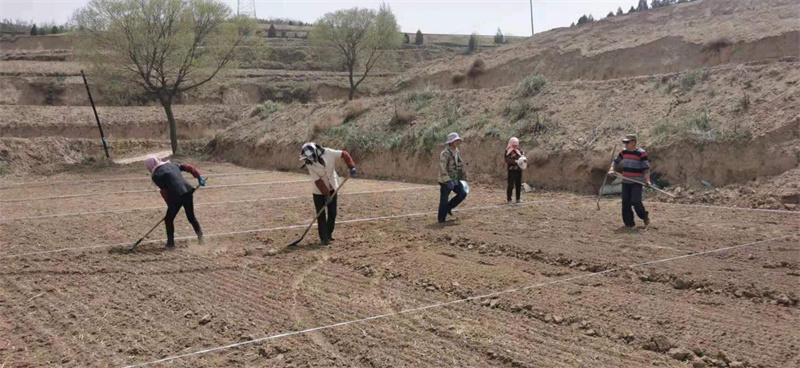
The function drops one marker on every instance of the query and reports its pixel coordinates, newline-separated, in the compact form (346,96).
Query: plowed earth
(103,307)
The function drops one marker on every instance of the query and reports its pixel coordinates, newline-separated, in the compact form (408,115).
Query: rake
(133,247)
(600,192)
(294,243)
(651,186)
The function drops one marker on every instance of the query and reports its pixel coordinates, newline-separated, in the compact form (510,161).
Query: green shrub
(692,78)
(531,85)
(516,110)
(4,169)
(420,99)
(265,109)
(696,126)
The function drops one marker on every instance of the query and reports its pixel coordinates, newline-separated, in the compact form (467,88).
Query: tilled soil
(583,306)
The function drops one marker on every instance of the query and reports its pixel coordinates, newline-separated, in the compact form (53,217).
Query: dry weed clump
(402,116)
(717,44)
(353,110)
(326,121)
(478,67)
(457,78)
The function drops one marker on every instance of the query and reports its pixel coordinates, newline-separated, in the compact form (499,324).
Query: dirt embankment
(671,39)
(118,122)
(731,124)
(33,43)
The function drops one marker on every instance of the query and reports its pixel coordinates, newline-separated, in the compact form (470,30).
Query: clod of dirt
(188,314)
(736,365)
(590,332)
(659,344)
(698,363)
(205,320)
(681,284)
(784,300)
(679,353)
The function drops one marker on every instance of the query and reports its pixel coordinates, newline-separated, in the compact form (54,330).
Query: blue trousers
(445,205)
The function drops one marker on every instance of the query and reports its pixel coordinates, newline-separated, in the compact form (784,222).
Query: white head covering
(452,137)
(152,163)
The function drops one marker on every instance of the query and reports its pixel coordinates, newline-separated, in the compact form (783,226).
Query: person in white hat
(321,165)
(514,157)
(451,173)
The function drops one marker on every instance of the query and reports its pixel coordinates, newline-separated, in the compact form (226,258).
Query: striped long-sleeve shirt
(635,164)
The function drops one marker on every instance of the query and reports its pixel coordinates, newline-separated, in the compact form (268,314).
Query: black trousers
(325,224)
(514,181)
(632,197)
(173,206)
(445,205)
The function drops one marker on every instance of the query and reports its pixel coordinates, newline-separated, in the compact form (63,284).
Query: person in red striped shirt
(635,167)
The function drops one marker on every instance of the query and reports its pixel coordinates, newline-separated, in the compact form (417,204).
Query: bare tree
(165,47)
(356,38)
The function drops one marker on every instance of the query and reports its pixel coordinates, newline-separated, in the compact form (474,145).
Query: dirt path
(129,160)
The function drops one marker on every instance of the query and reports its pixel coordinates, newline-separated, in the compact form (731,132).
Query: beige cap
(629,137)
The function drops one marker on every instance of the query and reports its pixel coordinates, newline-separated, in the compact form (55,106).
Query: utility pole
(531,18)
(99,127)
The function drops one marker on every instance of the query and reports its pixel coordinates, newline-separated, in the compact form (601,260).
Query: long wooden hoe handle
(335,192)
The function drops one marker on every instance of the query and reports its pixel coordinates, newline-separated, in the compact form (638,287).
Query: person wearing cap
(451,172)
(176,192)
(321,164)
(635,167)
(512,156)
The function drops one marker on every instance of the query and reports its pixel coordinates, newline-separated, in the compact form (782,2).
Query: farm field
(71,296)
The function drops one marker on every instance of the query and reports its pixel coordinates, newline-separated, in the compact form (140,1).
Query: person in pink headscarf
(176,192)
(512,155)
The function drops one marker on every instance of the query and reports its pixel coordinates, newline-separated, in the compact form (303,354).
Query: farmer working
(512,156)
(176,192)
(635,168)
(321,165)
(451,172)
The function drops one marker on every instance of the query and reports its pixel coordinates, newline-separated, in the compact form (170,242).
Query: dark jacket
(168,177)
(511,159)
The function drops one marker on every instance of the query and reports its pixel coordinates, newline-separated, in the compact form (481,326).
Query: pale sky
(431,16)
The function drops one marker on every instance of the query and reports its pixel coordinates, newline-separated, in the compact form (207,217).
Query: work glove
(201,181)
(451,185)
(353,171)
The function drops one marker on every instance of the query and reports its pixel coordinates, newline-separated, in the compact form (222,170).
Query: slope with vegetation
(694,107)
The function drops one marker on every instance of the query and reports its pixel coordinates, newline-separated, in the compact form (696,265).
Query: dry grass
(353,110)
(717,44)
(402,116)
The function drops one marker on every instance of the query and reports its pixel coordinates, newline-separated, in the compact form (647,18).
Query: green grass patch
(531,85)
(265,109)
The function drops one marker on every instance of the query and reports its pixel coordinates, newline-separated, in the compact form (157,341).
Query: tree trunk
(352,84)
(173,130)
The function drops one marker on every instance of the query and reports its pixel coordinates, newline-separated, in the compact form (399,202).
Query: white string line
(140,177)
(703,206)
(7,256)
(298,226)
(203,204)
(147,191)
(444,304)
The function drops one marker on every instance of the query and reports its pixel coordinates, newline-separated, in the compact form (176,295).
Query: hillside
(692,119)
(691,35)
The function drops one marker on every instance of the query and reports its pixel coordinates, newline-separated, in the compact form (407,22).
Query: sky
(430,16)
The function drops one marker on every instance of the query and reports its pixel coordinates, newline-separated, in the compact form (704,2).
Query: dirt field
(102,307)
